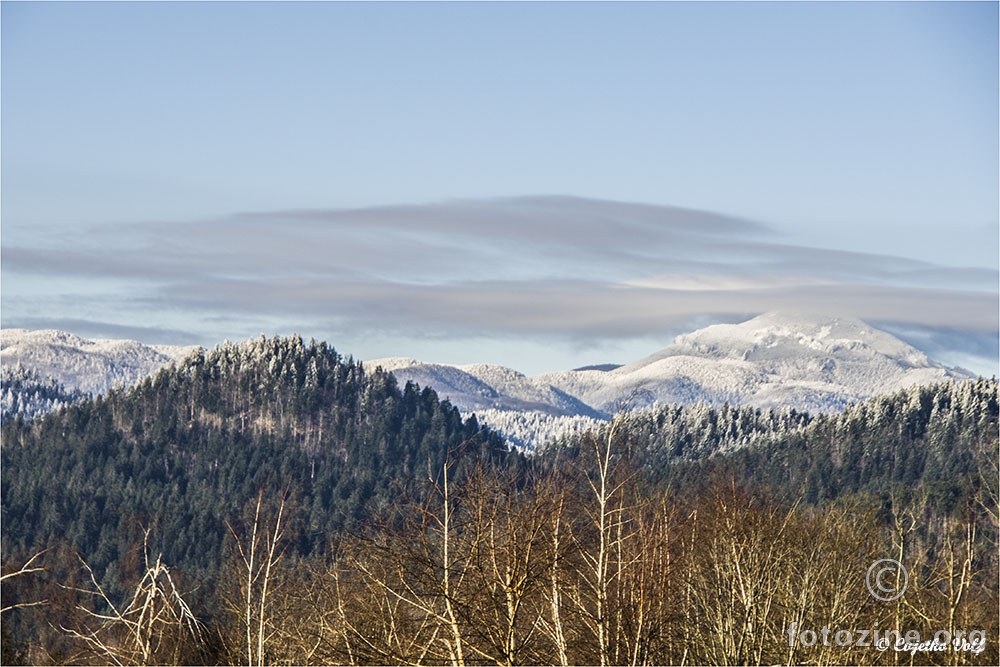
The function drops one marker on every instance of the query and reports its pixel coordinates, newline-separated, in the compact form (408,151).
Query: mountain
(807,362)
(776,360)
(477,387)
(281,473)
(90,366)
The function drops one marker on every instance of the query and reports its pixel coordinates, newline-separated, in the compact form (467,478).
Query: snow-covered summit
(810,362)
(92,366)
(390,364)
(484,387)
(450,382)
(787,336)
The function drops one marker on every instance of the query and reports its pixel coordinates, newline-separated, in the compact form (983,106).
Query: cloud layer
(539,267)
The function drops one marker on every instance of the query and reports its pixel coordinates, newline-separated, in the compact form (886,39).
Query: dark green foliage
(690,433)
(940,439)
(186,450)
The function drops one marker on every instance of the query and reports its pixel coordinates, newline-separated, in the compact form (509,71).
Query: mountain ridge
(809,362)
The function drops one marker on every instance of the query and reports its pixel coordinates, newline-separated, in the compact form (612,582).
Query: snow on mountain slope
(532,393)
(92,366)
(480,387)
(808,362)
(464,390)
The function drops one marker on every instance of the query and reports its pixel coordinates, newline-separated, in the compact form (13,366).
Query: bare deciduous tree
(26,568)
(259,555)
(156,626)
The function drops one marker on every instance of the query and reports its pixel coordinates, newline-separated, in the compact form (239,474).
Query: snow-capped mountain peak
(787,336)
(810,362)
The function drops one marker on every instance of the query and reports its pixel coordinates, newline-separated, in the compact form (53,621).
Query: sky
(539,185)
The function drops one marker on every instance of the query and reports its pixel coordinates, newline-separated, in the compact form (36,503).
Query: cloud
(525,238)
(978,351)
(541,267)
(569,308)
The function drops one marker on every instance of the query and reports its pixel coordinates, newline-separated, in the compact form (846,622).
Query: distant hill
(90,366)
(486,387)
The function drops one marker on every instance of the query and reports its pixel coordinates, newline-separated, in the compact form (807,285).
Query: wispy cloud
(560,267)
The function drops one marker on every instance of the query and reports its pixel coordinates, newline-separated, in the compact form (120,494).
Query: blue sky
(539,185)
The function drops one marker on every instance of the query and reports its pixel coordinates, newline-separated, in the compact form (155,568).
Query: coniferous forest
(274,503)
(26,394)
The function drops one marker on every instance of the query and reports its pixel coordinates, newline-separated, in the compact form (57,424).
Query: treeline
(669,434)
(273,503)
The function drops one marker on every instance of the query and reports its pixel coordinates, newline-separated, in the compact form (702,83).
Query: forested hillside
(190,447)
(938,440)
(274,503)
